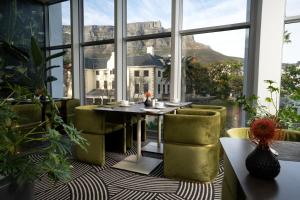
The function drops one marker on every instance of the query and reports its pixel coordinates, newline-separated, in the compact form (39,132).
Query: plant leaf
(52,67)
(36,52)
(51,79)
(56,55)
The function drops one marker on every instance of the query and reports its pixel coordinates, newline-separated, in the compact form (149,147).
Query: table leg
(159,121)
(138,163)
(138,137)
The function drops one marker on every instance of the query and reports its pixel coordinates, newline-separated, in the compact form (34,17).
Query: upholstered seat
(95,129)
(221,109)
(191,149)
(23,111)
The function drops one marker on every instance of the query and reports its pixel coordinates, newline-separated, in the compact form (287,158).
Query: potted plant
(286,116)
(262,162)
(52,139)
(18,166)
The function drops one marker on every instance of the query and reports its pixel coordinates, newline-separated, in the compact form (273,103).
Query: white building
(144,73)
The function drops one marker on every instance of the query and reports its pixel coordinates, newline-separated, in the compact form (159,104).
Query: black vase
(147,103)
(262,163)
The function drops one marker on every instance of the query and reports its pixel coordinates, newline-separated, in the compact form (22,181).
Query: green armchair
(30,115)
(191,148)
(97,130)
(221,109)
(70,106)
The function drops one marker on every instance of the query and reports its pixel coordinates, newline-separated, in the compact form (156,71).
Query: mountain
(162,46)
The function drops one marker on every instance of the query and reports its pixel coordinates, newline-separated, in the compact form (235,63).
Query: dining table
(239,184)
(138,163)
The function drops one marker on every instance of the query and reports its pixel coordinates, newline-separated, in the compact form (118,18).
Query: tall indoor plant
(45,148)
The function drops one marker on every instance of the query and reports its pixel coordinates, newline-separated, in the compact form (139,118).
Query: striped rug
(92,182)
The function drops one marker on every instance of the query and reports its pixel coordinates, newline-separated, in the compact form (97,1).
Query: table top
(140,108)
(284,186)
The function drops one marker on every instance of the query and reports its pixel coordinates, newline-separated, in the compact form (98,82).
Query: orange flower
(148,94)
(263,130)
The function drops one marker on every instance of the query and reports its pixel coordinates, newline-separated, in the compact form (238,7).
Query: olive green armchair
(230,187)
(191,148)
(221,109)
(70,106)
(29,115)
(96,129)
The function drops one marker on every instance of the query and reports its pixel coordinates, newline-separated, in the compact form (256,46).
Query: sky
(196,14)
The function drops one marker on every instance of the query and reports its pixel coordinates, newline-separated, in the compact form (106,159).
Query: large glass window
(98,20)
(203,13)
(62,87)
(146,17)
(148,56)
(290,77)
(212,70)
(292,7)
(60,34)
(99,58)
(59,23)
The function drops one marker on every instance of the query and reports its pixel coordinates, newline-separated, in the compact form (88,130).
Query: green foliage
(290,80)
(286,116)
(17,155)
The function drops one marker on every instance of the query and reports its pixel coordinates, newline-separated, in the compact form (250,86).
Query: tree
(226,78)
(290,80)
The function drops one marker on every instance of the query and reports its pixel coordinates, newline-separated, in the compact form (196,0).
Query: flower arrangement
(264,130)
(148,94)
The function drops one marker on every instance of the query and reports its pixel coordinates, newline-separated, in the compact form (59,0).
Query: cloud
(66,14)
(230,43)
(291,50)
(149,10)
(203,13)
(98,12)
(292,7)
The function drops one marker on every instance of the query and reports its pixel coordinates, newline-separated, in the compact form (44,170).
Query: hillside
(202,52)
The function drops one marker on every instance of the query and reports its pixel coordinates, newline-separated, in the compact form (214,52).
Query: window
(97,84)
(136,88)
(146,73)
(164,89)
(97,72)
(99,58)
(146,87)
(62,87)
(111,71)
(147,17)
(292,7)
(214,79)
(158,89)
(98,20)
(290,71)
(203,13)
(136,73)
(60,23)
(159,73)
(168,89)
(60,34)
(149,54)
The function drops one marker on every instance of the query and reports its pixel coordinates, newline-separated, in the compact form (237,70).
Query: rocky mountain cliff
(162,46)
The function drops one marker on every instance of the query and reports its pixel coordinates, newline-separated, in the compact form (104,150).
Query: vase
(147,102)
(262,163)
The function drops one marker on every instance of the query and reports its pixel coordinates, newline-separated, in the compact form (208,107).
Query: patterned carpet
(92,182)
